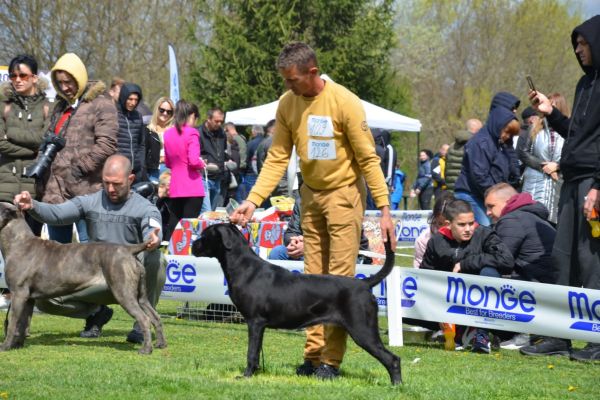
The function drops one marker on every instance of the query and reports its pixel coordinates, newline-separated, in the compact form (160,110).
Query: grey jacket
(130,222)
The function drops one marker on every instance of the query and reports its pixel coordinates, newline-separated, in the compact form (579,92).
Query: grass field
(203,361)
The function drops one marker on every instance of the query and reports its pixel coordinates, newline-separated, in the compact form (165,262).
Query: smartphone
(530,82)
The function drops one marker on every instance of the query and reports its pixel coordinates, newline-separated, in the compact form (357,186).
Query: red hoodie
(517,201)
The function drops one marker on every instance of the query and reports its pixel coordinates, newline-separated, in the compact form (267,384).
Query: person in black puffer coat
(521,223)
(131,138)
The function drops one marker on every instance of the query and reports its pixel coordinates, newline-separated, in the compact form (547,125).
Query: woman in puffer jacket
(24,111)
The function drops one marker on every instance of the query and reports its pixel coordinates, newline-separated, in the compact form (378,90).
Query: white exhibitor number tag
(321,149)
(320,126)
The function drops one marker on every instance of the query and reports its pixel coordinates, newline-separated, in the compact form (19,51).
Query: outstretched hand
(23,201)
(154,241)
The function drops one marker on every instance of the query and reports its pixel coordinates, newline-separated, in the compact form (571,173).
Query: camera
(53,145)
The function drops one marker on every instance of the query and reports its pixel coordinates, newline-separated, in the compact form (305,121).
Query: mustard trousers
(331,225)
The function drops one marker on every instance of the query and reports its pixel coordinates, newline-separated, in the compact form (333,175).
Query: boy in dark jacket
(464,246)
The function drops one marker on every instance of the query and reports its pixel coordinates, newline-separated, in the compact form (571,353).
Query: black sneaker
(95,322)
(326,371)
(590,353)
(547,346)
(481,344)
(305,369)
(135,336)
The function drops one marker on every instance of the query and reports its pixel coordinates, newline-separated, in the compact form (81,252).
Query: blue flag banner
(173,75)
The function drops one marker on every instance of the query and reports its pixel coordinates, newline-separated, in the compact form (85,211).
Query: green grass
(203,361)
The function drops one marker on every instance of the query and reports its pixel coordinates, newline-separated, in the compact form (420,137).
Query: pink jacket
(182,156)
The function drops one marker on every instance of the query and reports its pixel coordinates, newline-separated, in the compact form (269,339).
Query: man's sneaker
(95,322)
(547,346)
(305,369)
(516,342)
(590,353)
(482,342)
(326,371)
(135,335)
(464,338)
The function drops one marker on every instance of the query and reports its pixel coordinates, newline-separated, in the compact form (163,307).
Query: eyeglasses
(22,76)
(163,111)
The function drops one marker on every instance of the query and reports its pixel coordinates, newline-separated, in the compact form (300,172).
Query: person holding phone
(575,251)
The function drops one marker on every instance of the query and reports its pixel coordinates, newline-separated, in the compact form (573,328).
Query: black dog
(270,296)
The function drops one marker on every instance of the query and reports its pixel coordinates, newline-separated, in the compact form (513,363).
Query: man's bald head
(474,125)
(117,178)
(496,198)
(117,164)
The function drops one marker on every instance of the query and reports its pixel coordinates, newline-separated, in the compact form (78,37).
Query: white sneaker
(516,342)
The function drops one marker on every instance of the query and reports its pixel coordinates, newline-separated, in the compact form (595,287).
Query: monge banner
(408,224)
(201,279)
(505,304)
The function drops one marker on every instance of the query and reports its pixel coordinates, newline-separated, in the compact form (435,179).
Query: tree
(112,37)
(459,53)
(352,38)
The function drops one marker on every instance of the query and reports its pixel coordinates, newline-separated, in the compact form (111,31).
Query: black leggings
(182,207)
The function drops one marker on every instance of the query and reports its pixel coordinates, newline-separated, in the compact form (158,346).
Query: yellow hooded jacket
(73,65)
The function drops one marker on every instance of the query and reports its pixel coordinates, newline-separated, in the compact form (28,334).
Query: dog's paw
(161,345)
(145,350)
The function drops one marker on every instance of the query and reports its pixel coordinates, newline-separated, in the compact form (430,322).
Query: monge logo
(409,290)
(505,303)
(180,278)
(586,310)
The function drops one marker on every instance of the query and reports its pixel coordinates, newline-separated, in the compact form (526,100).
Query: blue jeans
(280,253)
(214,189)
(206,204)
(248,182)
(153,175)
(64,233)
(477,206)
(489,271)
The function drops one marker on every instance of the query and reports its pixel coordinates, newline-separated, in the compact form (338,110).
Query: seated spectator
(522,225)
(436,221)
(293,247)
(462,245)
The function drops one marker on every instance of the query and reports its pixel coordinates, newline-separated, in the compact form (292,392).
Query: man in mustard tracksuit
(327,124)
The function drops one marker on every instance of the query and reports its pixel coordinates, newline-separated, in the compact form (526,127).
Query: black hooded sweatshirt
(581,152)
(131,136)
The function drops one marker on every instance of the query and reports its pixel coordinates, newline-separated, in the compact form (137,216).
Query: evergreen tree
(353,40)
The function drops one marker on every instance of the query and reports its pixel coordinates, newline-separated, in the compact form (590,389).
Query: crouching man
(113,215)
(522,224)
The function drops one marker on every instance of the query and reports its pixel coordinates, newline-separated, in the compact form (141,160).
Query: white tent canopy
(377,117)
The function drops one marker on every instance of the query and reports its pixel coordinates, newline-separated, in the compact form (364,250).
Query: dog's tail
(138,248)
(390,257)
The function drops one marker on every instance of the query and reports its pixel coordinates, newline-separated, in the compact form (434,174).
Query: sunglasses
(22,76)
(163,111)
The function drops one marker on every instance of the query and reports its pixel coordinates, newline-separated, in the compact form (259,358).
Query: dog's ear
(8,212)
(226,235)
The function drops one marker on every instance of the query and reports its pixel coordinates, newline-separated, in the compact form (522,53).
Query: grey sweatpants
(84,303)
(576,252)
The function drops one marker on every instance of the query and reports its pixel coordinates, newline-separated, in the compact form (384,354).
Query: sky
(591,8)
